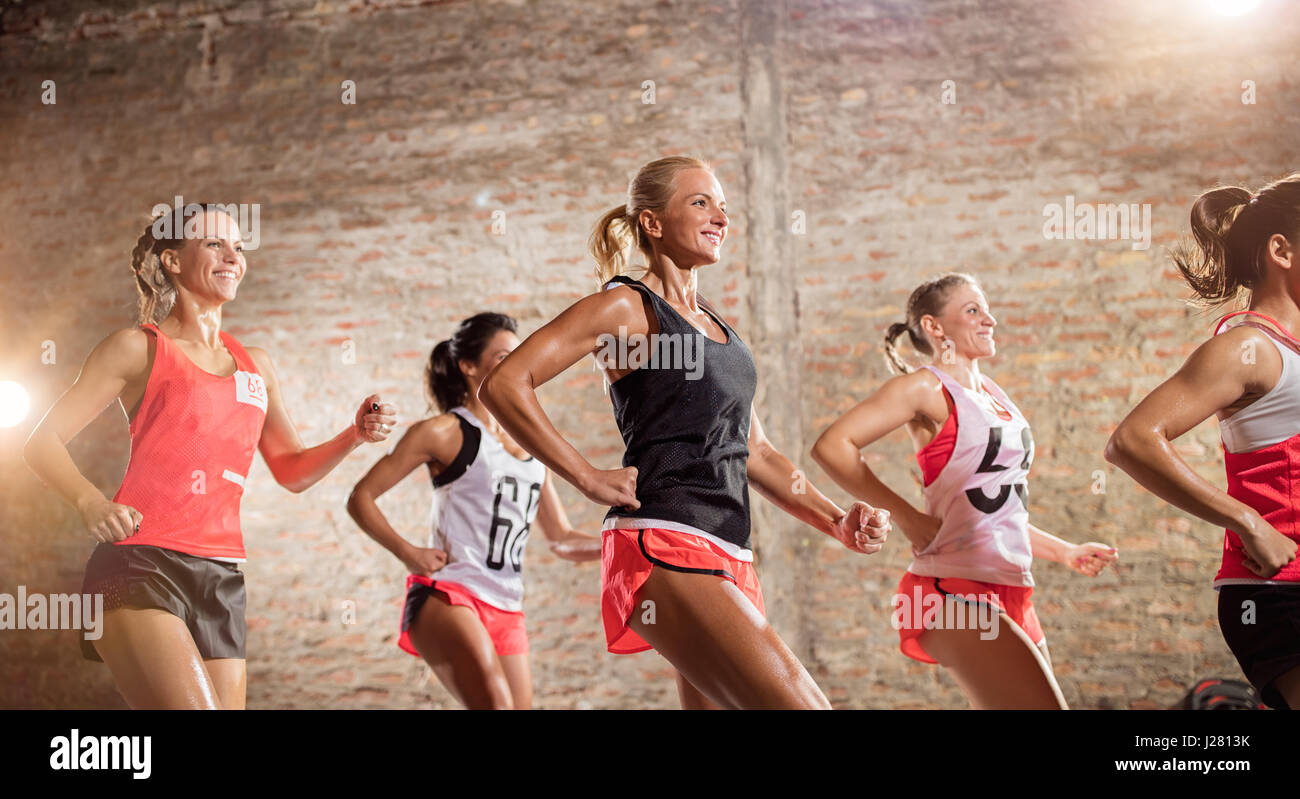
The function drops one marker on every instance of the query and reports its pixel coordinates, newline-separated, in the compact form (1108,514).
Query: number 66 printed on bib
(507,537)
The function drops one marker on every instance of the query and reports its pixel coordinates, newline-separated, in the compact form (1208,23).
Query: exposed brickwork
(377,232)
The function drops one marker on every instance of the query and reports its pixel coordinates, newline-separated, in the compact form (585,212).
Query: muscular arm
(120,359)
(509,390)
(294,466)
(1216,376)
(838,451)
(774,477)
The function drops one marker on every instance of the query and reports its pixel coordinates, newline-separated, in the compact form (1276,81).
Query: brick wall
(377,236)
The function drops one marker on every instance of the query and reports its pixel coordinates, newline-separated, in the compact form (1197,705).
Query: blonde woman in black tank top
(678,529)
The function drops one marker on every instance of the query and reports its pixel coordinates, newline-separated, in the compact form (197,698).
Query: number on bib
(977,497)
(509,543)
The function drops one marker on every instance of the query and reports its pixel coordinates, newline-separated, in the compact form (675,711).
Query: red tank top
(1266,479)
(192,443)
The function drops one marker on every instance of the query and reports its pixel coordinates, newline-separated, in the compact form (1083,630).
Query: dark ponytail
(442,376)
(1231,228)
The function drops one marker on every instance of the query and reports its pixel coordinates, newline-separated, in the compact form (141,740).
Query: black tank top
(684,416)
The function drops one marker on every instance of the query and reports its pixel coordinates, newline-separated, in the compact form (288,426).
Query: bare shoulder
(919,383)
(261,358)
(123,352)
(919,391)
(439,437)
(1242,353)
(1237,338)
(438,427)
(609,309)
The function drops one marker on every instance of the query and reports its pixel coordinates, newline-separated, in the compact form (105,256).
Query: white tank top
(980,494)
(1272,418)
(484,502)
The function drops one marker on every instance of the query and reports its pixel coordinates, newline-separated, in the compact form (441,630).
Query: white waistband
(1251,581)
(639,523)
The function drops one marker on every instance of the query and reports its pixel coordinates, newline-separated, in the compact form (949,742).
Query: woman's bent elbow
(1118,448)
(487,391)
(818,453)
(354,504)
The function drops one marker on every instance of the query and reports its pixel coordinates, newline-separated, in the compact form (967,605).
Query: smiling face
(210,264)
(692,226)
(966,322)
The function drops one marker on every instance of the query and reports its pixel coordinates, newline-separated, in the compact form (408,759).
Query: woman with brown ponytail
(1247,247)
(198,404)
(676,563)
(973,544)
(464,592)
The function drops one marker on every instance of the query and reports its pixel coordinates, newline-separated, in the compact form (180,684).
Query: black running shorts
(208,595)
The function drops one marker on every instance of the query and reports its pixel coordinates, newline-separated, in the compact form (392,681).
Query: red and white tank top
(1261,455)
(980,493)
(192,443)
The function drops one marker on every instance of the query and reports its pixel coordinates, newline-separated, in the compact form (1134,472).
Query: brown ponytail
(927,299)
(619,230)
(152,282)
(1231,228)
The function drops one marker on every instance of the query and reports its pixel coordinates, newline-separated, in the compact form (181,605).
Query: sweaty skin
(718,643)
(1007,671)
(153,660)
(451,638)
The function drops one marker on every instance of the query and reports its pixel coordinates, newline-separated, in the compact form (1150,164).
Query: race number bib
(250,388)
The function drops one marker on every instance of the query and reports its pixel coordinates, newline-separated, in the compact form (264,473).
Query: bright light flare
(13,403)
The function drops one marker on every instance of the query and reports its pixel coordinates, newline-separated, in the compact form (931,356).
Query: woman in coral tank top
(1248,375)
(199,404)
(964,600)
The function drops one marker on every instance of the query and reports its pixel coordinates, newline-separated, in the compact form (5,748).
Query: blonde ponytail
(619,230)
(613,242)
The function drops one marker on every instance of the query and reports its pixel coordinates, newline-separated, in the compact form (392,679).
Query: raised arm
(510,390)
(1215,377)
(294,466)
(862,529)
(838,451)
(118,362)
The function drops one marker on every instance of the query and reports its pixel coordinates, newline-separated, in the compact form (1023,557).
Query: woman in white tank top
(463,611)
(964,601)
